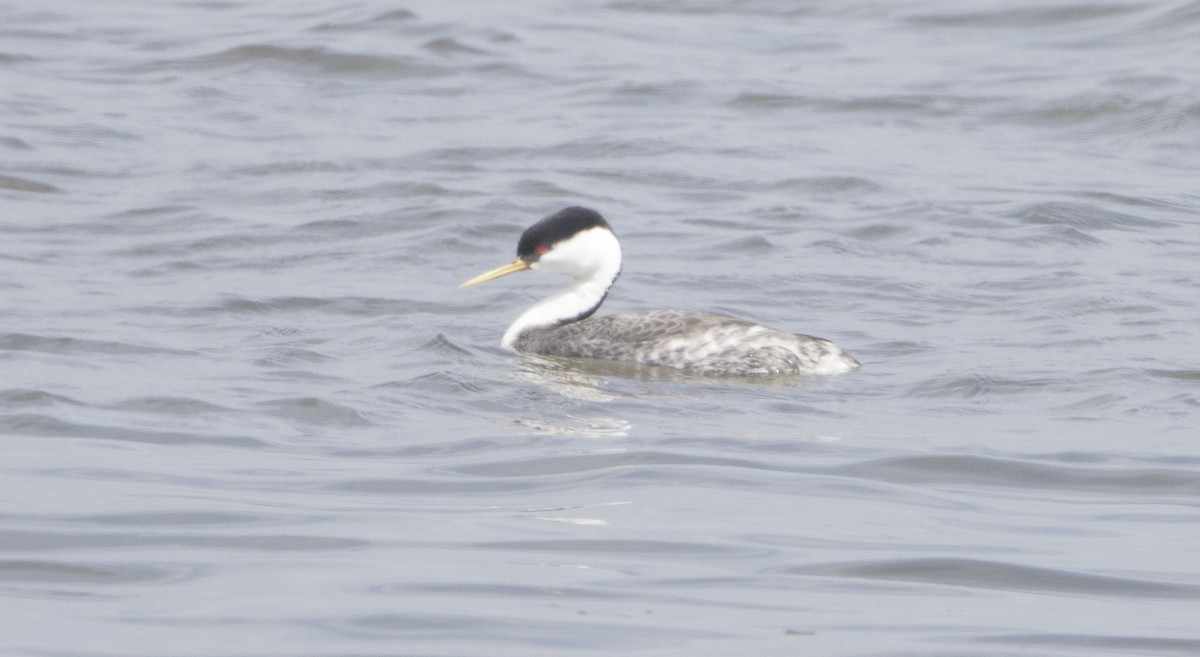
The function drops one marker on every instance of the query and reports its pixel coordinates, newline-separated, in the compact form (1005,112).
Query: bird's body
(578,242)
(704,343)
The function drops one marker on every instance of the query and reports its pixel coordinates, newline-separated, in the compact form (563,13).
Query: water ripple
(1023,475)
(60,572)
(1099,643)
(71,345)
(32,424)
(1000,576)
(311,60)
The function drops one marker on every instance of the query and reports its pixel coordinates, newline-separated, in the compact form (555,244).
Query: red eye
(542,250)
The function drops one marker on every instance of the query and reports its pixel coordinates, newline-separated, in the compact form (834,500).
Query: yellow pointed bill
(511,268)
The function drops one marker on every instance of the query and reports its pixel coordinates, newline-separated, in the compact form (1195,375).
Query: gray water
(245,410)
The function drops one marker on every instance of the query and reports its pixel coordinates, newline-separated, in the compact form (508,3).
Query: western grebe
(579,242)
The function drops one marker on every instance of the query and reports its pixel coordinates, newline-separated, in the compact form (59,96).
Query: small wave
(977,385)
(1190,376)
(316,411)
(396,16)
(349,306)
(621,546)
(290,357)
(392,190)
(22,397)
(1106,115)
(69,345)
(1083,216)
(974,573)
(718,7)
(1038,17)
(313,59)
(447,46)
(33,424)
(168,406)
(1009,473)
(61,572)
(1096,644)
(905,104)
(437,384)
(493,621)
(544,189)
(25,185)
(583,463)
(141,539)
(828,184)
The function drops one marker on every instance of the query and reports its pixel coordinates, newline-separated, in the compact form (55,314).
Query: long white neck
(593,259)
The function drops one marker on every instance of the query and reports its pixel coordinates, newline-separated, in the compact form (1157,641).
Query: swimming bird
(578,242)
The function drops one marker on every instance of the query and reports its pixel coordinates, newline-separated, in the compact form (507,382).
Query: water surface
(245,410)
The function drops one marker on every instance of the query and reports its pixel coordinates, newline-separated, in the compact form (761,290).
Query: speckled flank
(700,342)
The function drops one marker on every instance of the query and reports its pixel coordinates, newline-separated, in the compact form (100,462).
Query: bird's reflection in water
(605,381)
(571,379)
